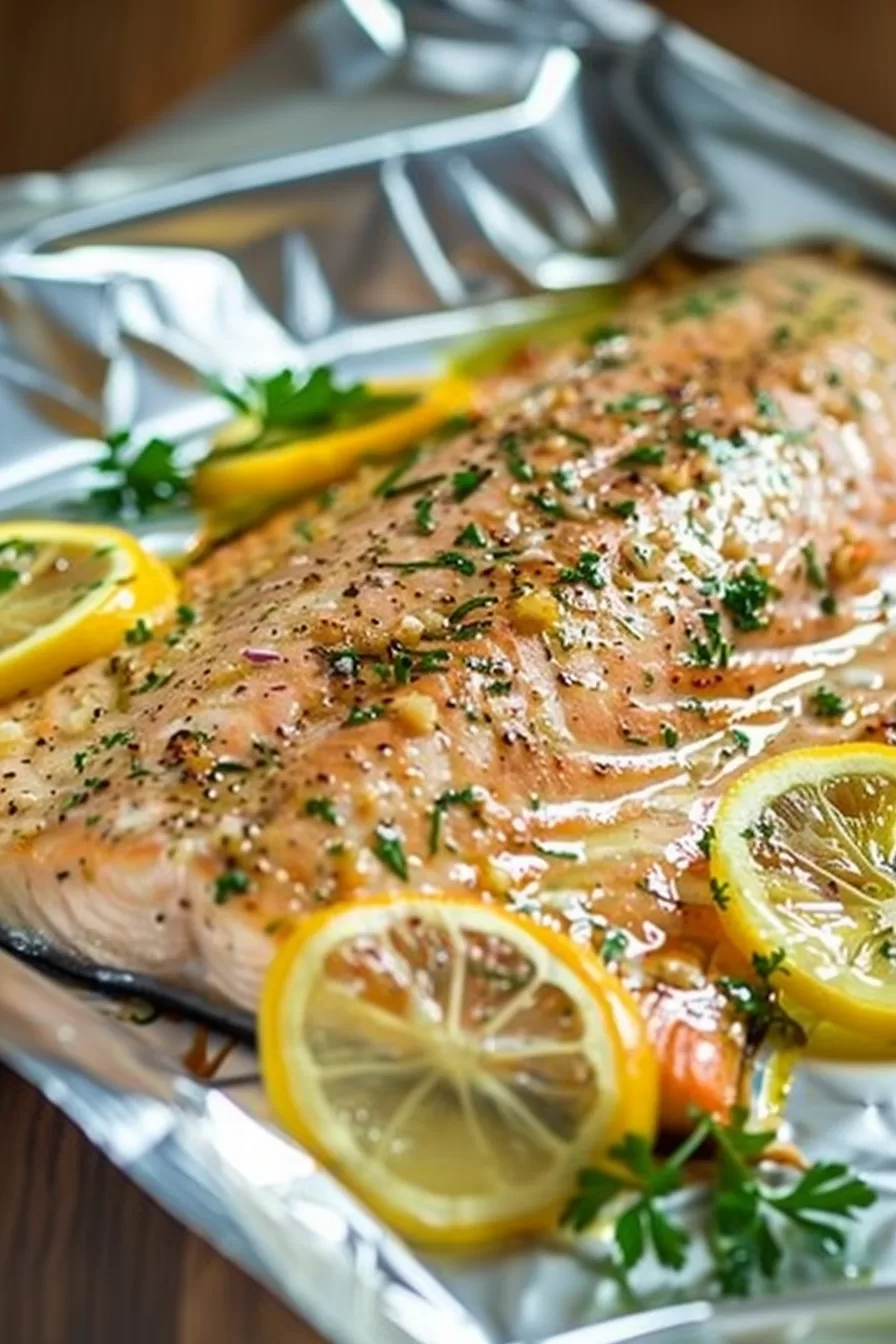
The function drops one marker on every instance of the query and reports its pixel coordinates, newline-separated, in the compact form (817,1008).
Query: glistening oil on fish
(523,673)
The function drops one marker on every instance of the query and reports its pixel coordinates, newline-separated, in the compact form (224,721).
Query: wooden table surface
(85,1258)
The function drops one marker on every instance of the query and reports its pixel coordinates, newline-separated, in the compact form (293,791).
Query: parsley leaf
(466,797)
(389,849)
(827,704)
(322,808)
(142,482)
(744,597)
(232,882)
(588,569)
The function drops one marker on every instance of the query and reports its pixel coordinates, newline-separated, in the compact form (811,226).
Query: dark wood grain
(85,1258)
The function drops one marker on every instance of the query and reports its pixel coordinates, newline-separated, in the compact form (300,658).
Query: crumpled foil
(377,183)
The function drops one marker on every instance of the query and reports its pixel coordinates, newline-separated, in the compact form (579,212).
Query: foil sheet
(442,169)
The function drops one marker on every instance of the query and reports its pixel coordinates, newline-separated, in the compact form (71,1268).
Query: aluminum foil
(441,170)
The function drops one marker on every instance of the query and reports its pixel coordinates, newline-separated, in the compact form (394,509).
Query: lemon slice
(806,843)
(68,594)
(247,463)
(455,1064)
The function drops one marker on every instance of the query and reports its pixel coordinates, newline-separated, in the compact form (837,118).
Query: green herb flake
(466,482)
(547,504)
(8,578)
(364,714)
(719,892)
(322,808)
(142,482)
(827,704)
(622,508)
(232,882)
(444,560)
(588,569)
(645,455)
(670,736)
(471,535)
(714,650)
(519,468)
(647,402)
(466,797)
(139,633)
(472,604)
(745,596)
(186,615)
(423,519)
(614,946)
(389,849)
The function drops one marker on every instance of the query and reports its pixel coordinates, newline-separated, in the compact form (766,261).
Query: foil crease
(442,169)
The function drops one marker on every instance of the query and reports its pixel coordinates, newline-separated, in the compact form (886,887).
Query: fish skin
(575,701)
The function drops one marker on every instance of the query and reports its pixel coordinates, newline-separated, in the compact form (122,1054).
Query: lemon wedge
(456,1065)
(68,594)
(249,462)
(804,854)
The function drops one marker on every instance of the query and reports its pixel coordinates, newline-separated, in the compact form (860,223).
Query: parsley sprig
(747,1212)
(140,481)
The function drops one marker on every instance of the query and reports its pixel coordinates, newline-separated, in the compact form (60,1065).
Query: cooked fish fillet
(624,583)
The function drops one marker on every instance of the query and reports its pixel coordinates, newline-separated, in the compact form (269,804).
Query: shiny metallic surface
(391,179)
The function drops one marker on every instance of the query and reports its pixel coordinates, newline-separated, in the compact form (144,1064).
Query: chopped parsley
(444,560)
(756,1000)
(232,882)
(645,455)
(547,504)
(519,468)
(139,633)
(814,571)
(186,615)
(322,808)
(719,892)
(714,650)
(704,844)
(423,518)
(466,482)
(466,797)
(827,704)
(745,596)
(472,604)
(394,475)
(8,578)
(364,714)
(153,681)
(389,849)
(588,569)
(670,736)
(471,535)
(622,508)
(700,303)
(638,401)
(614,946)
(740,739)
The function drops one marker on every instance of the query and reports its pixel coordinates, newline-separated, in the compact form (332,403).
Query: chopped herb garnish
(552,849)
(365,713)
(828,605)
(606,331)
(670,736)
(471,535)
(588,569)
(314,403)
(637,401)
(388,848)
(719,891)
(756,999)
(700,303)
(473,604)
(519,468)
(466,797)
(8,578)
(614,946)
(444,560)
(232,882)
(467,481)
(781,337)
(827,704)
(423,518)
(547,504)
(153,681)
(814,571)
(767,407)
(622,508)
(746,1213)
(645,455)
(744,597)
(714,650)
(704,844)
(564,478)
(322,808)
(394,475)
(186,615)
(139,633)
(740,739)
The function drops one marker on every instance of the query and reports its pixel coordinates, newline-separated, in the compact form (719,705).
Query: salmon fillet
(522,667)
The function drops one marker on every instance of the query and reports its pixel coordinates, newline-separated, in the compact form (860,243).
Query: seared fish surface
(522,666)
